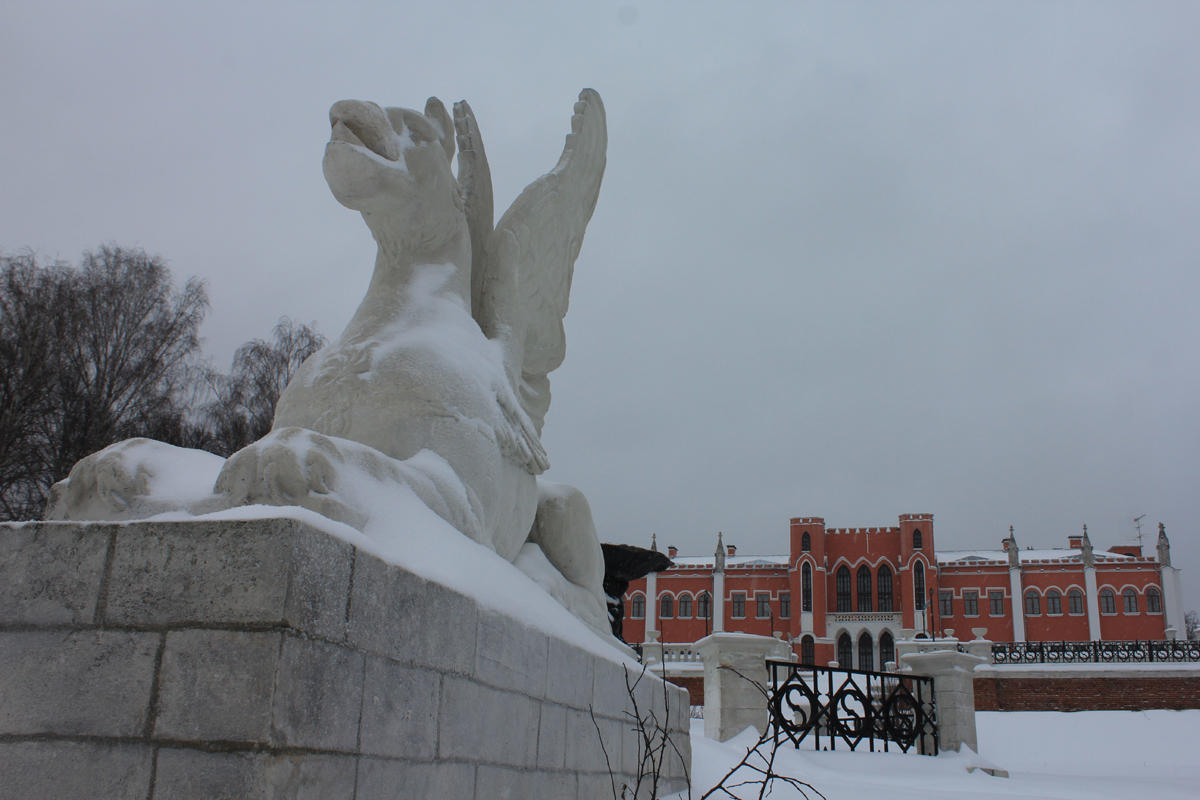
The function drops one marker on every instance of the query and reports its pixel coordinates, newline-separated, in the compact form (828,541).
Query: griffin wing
(525,281)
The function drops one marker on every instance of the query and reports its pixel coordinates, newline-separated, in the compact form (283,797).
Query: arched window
(1033,603)
(919,586)
(1153,601)
(805,542)
(808,651)
(864,588)
(917,539)
(1053,602)
(637,607)
(1130,601)
(685,605)
(866,653)
(704,606)
(1108,602)
(806,587)
(1075,601)
(842,583)
(885,592)
(666,607)
(845,652)
(887,649)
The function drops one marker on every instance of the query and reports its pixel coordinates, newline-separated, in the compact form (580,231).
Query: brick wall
(694,685)
(1086,693)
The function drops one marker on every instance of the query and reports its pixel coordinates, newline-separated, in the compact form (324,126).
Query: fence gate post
(731,702)
(953,676)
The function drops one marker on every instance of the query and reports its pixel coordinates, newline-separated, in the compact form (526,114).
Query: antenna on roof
(1138,522)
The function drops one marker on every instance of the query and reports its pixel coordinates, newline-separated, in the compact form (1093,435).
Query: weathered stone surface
(552,737)
(583,742)
(486,725)
(400,710)
(610,692)
(81,683)
(569,675)
(217,685)
(510,655)
(318,588)
(318,695)
(191,774)
(172,573)
(74,771)
(498,783)
(50,573)
(399,615)
(403,780)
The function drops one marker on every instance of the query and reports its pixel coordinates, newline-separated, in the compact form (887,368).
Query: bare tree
(244,409)
(90,356)
(1191,625)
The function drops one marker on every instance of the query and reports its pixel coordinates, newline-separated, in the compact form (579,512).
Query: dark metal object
(1095,652)
(851,707)
(624,563)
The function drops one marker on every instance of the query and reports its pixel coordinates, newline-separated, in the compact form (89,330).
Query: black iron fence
(831,708)
(1095,652)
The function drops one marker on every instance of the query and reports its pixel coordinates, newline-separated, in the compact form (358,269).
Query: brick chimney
(732,549)
(671,551)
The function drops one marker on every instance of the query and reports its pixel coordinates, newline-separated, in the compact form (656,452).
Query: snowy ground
(1093,755)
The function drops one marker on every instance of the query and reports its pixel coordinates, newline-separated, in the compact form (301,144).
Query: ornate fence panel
(834,708)
(1096,652)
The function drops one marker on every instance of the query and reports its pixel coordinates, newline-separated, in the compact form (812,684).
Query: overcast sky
(848,261)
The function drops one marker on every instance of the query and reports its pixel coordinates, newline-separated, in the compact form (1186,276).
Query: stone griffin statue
(439,386)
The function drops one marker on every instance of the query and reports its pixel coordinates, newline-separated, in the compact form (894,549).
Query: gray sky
(848,261)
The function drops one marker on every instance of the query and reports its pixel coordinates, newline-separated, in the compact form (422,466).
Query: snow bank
(1091,755)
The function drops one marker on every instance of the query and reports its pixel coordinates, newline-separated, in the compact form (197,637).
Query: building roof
(957,557)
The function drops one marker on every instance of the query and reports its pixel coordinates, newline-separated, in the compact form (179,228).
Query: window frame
(1075,600)
(995,598)
(737,602)
(805,543)
(762,605)
(1108,602)
(1153,601)
(1053,603)
(866,652)
(945,603)
(1033,603)
(785,605)
(1129,598)
(666,606)
(842,590)
(886,597)
(865,602)
(806,587)
(971,604)
(918,539)
(637,606)
(684,600)
(704,606)
(919,585)
(808,650)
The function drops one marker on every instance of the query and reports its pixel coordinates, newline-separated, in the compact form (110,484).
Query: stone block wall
(268,659)
(1088,690)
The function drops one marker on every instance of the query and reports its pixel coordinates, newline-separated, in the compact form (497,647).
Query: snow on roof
(732,561)
(1064,554)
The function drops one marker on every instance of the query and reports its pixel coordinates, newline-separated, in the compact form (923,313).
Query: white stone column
(953,676)
(1173,601)
(731,662)
(1018,603)
(1093,603)
(651,603)
(718,602)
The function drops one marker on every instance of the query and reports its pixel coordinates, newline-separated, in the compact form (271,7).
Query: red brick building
(847,594)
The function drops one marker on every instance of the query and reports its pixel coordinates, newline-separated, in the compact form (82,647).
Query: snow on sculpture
(438,388)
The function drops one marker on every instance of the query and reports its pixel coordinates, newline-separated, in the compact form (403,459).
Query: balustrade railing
(830,707)
(1095,652)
